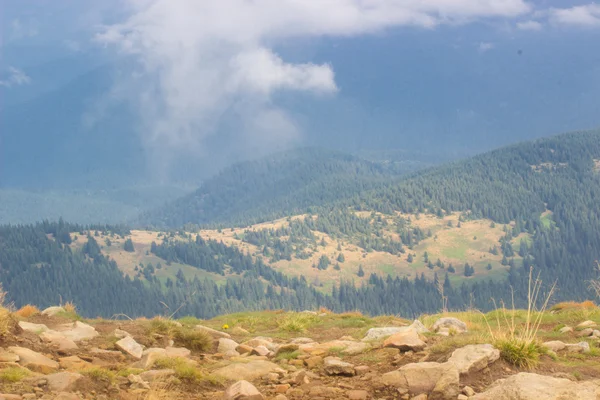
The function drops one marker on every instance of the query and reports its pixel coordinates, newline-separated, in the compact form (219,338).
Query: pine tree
(128,245)
(361,272)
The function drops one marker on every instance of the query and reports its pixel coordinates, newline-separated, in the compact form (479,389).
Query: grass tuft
(297,322)
(99,374)
(287,355)
(520,353)
(186,371)
(192,339)
(27,311)
(13,374)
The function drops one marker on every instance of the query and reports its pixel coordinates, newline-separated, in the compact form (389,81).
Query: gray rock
(451,324)
(247,371)
(474,357)
(242,390)
(78,331)
(130,346)
(581,347)
(438,381)
(62,381)
(555,345)
(405,341)
(33,328)
(52,311)
(565,329)
(586,324)
(335,366)
(212,332)
(33,360)
(118,333)
(226,346)
(585,332)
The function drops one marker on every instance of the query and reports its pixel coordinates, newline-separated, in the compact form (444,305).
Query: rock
(335,366)
(282,388)
(34,361)
(280,397)
(52,311)
(261,341)
(260,351)
(474,357)
(33,328)
(586,324)
(243,349)
(418,326)
(58,340)
(157,374)
(555,345)
(357,394)
(239,331)
(596,334)
(439,381)
(300,378)
(214,333)
(405,341)
(227,346)
(73,363)
(181,352)
(242,390)
(62,381)
(120,334)
(462,397)
(7,357)
(78,331)
(361,369)
(137,382)
(149,357)
(287,348)
(565,329)
(302,340)
(450,323)
(382,333)
(313,362)
(347,347)
(66,396)
(4,396)
(247,371)
(468,391)
(420,397)
(529,386)
(130,346)
(585,332)
(581,347)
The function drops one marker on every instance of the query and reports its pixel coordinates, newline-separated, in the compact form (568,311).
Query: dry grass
(13,374)
(70,307)
(7,321)
(27,311)
(573,305)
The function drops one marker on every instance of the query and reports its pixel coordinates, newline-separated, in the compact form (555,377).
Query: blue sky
(234,79)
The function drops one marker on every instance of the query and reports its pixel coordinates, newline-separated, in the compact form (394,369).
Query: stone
(405,341)
(52,311)
(157,375)
(4,396)
(462,397)
(585,332)
(335,366)
(237,330)
(313,362)
(227,346)
(565,329)
(34,361)
(468,391)
(136,382)
(452,324)
(130,346)
(581,347)
(7,357)
(242,390)
(121,334)
(421,396)
(280,397)
(357,394)
(181,352)
(78,331)
(555,345)
(586,324)
(474,357)
(58,340)
(247,371)
(261,341)
(361,369)
(243,349)
(529,386)
(282,388)
(418,327)
(260,351)
(302,340)
(212,332)
(149,357)
(438,380)
(382,333)
(33,328)
(347,347)
(62,381)
(596,334)
(66,396)
(73,363)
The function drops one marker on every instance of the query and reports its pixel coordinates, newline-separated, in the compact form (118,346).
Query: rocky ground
(311,355)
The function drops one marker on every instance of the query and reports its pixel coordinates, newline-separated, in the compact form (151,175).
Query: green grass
(13,374)
(125,372)
(297,322)
(186,371)
(99,374)
(192,339)
(520,353)
(287,355)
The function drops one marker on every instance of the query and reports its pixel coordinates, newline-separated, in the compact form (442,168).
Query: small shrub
(520,353)
(125,372)
(335,351)
(70,307)
(297,322)
(99,374)
(192,339)
(7,322)
(287,355)
(27,311)
(13,374)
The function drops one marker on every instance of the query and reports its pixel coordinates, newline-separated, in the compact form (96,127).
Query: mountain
(528,205)
(279,185)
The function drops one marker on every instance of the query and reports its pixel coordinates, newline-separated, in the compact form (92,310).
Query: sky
(220,81)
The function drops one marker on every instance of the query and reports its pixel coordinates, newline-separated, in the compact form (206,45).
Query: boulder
(247,371)
(243,349)
(357,394)
(474,357)
(8,357)
(555,345)
(73,363)
(242,390)
(586,324)
(33,328)
(437,380)
(451,324)
(58,340)
(227,346)
(335,366)
(382,333)
(405,341)
(585,332)
(565,329)
(529,386)
(136,382)
(149,357)
(581,347)
(178,352)
(302,340)
(212,332)
(66,396)
(121,334)
(287,348)
(261,341)
(77,331)
(130,346)
(52,311)
(260,351)
(34,361)
(62,381)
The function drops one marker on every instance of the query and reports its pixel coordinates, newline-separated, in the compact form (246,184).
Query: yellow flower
(225,326)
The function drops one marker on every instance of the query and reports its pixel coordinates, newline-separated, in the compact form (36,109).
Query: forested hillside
(284,184)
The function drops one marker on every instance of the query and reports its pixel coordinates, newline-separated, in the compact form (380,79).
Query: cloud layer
(16,77)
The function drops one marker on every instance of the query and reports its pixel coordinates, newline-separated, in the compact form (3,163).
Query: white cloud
(16,77)
(585,15)
(20,29)
(530,25)
(485,46)
(199,60)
